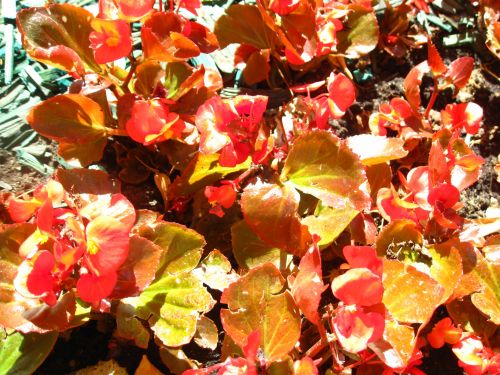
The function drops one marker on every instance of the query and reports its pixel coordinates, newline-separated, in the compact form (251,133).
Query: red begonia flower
(128,10)
(443,196)
(116,206)
(355,328)
(110,40)
(41,282)
(358,286)
(444,332)
(21,210)
(283,7)
(341,94)
(233,128)
(218,197)
(151,122)
(107,245)
(474,357)
(466,116)
(93,289)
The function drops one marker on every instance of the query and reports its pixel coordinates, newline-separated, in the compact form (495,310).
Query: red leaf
(271,212)
(93,289)
(460,70)
(342,94)
(355,328)
(434,59)
(363,257)
(151,122)
(308,284)
(110,40)
(358,286)
(412,83)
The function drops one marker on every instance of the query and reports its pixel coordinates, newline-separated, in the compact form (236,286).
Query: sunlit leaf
(58,35)
(147,368)
(397,345)
(207,335)
(410,296)
(329,223)
(215,271)
(487,300)
(75,121)
(398,232)
(128,327)
(172,305)
(360,32)
(464,313)
(321,165)
(271,212)
(23,353)
(182,247)
(243,23)
(373,149)
(203,170)
(412,83)
(446,267)
(434,59)
(148,74)
(139,268)
(255,302)
(250,251)
(307,285)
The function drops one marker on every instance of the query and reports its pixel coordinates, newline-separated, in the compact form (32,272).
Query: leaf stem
(133,66)
(117,132)
(432,100)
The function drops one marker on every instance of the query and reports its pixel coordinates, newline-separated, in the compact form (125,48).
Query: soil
(85,346)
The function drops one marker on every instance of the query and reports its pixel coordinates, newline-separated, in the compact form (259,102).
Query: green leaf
(321,165)
(329,223)
(21,354)
(147,76)
(360,32)
(243,23)
(129,327)
(271,212)
(487,299)
(256,302)
(172,306)
(215,271)
(203,170)
(182,247)
(75,121)
(58,35)
(446,267)
(175,74)
(249,250)
(410,296)
(481,278)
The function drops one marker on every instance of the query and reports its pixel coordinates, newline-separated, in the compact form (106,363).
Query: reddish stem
(432,100)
